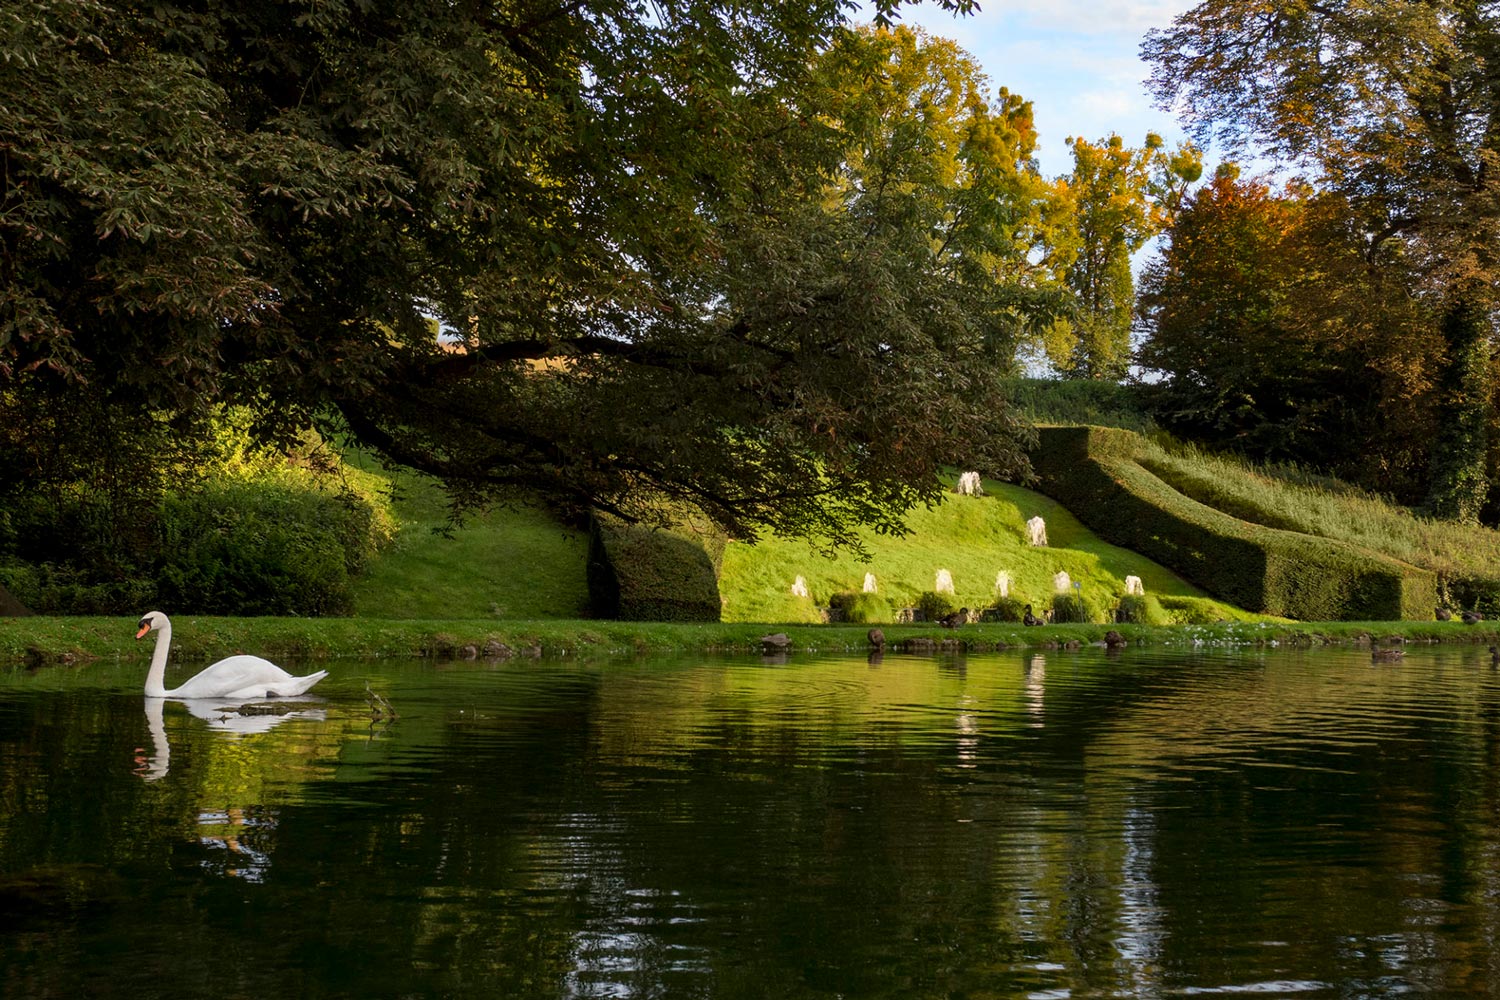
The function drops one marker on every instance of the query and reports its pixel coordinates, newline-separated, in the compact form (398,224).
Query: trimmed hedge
(642,574)
(1094,472)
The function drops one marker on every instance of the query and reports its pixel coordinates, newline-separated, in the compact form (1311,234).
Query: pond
(1026,824)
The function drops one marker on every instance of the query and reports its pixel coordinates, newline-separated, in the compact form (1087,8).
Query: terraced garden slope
(1466,558)
(974,539)
(1099,473)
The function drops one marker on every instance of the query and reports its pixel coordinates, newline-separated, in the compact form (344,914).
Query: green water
(1071,824)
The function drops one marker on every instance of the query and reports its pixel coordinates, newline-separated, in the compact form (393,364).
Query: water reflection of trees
(902,829)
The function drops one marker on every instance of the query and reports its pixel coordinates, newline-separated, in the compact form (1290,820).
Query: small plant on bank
(1007,609)
(1141,609)
(1073,608)
(860,608)
(933,605)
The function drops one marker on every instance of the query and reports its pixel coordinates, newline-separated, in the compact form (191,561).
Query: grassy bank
(510,562)
(973,538)
(42,641)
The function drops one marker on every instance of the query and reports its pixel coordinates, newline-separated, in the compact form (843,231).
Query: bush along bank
(640,573)
(40,641)
(1094,472)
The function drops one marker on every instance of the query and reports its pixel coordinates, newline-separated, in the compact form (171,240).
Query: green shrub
(638,573)
(1095,473)
(1080,401)
(262,548)
(1007,609)
(1141,609)
(206,524)
(933,605)
(861,608)
(47,588)
(1073,608)
(1475,594)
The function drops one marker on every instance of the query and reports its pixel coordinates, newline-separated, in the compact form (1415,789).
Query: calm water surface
(1066,824)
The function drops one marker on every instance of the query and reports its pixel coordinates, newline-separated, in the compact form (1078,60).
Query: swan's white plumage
(238,677)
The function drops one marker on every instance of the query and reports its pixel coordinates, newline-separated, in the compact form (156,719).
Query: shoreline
(40,641)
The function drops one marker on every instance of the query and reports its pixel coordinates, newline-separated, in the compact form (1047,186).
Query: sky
(1077,61)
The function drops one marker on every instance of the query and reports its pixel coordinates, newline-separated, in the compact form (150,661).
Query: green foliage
(1073,608)
(1007,609)
(1460,484)
(49,588)
(1141,609)
(1190,611)
(861,608)
(262,548)
(203,522)
(637,573)
(1096,472)
(1081,401)
(933,605)
(638,217)
(1120,197)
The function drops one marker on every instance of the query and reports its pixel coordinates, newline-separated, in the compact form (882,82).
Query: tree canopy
(1275,333)
(1395,108)
(637,226)
(1116,199)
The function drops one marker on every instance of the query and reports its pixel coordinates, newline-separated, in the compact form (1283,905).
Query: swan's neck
(158,672)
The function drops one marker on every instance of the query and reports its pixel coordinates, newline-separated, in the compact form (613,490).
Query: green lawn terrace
(974,539)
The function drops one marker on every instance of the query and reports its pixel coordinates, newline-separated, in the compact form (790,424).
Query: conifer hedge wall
(1093,471)
(636,573)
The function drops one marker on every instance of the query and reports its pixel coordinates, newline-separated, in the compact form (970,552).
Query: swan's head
(149,621)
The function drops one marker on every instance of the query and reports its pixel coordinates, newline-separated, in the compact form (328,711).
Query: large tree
(1395,106)
(620,213)
(928,151)
(1273,331)
(1119,197)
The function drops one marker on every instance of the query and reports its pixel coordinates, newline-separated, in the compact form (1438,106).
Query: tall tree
(620,212)
(1120,198)
(1394,104)
(1275,332)
(930,151)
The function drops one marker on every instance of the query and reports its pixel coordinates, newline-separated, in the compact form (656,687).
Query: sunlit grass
(1292,499)
(511,563)
(974,539)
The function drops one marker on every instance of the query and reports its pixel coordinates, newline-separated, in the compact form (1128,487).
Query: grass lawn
(508,563)
(974,538)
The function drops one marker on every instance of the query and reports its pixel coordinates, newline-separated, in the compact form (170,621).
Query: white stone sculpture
(799,587)
(968,485)
(869,583)
(1037,529)
(1002,583)
(944,582)
(1062,582)
(1133,585)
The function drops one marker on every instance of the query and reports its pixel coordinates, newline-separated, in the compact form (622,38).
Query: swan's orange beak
(143,631)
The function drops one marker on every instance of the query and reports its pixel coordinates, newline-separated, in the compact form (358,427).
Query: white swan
(236,677)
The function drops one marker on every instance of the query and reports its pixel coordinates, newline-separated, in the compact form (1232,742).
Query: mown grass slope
(509,563)
(974,539)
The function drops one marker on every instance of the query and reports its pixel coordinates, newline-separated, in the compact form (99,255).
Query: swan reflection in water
(221,717)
